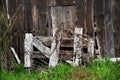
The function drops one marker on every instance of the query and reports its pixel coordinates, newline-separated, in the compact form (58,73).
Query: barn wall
(18,28)
(109,27)
(35,16)
(89,17)
(3,53)
(99,23)
(116,19)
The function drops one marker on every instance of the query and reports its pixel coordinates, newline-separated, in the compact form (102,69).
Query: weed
(97,70)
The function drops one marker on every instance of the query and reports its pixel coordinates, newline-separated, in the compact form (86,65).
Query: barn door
(69,16)
(65,19)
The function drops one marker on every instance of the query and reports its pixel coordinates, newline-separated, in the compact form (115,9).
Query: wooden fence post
(77,46)
(41,47)
(55,45)
(28,48)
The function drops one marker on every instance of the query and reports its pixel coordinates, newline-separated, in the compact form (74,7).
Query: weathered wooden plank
(13,50)
(80,4)
(109,36)
(116,15)
(28,16)
(43,38)
(69,16)
(28,48)
(89,17)
(66,42)
(44,50)
(56,29)
(77,46)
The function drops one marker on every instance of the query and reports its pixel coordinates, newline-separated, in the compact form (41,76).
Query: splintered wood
(77,46)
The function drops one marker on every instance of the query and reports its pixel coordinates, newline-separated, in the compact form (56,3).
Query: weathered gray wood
(28,48)
(43,38)
(35,17)
(56,38)
(13,50)
(91,47)
(77,46)
(44,50)
(109,29)
(68,19)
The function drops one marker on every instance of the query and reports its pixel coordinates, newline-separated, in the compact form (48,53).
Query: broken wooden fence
(52,53)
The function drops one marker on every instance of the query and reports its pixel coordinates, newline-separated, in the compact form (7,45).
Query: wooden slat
(43,38)
(27,15)
(44,50)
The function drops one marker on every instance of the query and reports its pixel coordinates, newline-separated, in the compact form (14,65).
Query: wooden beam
(77,46)
(28,48)
(43,38)
(56,39)
(44,50)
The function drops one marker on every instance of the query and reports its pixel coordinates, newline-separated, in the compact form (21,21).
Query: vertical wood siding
(116,13)
(35,16)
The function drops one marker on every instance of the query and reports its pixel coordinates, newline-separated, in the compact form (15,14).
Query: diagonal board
(44,50)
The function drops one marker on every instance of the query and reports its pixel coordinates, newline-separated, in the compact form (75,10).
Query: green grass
(96,70)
